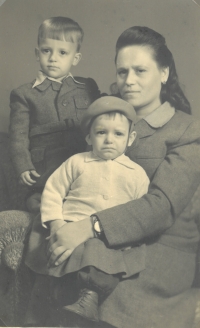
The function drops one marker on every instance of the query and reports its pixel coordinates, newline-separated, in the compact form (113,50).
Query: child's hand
(55,225)
(26,177)
(66,239)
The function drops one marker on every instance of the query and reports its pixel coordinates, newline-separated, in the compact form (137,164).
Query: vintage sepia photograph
(100,163)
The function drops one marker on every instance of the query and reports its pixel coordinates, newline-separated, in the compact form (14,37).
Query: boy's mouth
(52,67)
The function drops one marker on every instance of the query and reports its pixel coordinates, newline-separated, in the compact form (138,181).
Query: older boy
(46,113)
(83,185)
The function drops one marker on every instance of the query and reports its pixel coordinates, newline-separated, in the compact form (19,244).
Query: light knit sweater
(86,184)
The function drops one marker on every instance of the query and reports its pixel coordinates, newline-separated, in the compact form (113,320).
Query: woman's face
(139,78)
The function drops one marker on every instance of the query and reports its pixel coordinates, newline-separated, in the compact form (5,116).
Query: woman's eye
(122,73)
(141,70)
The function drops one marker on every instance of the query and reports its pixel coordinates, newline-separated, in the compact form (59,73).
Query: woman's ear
(132,137)
(37,54)
(165,74)
(77,58)
(88,140)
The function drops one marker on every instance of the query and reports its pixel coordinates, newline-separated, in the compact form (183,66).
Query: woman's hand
(55,225)
(66,239)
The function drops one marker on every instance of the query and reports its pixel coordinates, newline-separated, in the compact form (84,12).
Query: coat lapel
(69,84)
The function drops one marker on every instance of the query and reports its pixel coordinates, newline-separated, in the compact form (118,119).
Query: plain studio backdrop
(102,21)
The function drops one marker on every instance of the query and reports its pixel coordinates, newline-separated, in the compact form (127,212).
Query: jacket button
(64,103)
(106,197)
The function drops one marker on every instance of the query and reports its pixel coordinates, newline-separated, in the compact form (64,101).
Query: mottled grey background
(103,21)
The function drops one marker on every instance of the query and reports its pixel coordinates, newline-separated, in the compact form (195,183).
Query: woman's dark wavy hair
(144,36)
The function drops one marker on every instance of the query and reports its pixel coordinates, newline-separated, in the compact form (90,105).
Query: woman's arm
(171,189)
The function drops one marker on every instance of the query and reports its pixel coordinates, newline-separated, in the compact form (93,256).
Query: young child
(46,113)
(84,184)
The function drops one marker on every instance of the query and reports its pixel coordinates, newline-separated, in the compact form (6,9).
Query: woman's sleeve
(19,132)
(170,191)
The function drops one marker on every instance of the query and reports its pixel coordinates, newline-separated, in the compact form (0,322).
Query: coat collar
(42,82)
(122,159)
(158,118)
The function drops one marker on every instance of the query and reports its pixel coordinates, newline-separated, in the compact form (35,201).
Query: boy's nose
(109,138)
(52,57)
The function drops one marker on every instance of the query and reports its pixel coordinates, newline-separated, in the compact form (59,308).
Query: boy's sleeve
(19,132)
(55,190)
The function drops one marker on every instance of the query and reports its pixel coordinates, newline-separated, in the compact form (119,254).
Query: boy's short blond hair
(59,28)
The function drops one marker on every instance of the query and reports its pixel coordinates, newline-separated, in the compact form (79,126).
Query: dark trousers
(50,294)
(97,280)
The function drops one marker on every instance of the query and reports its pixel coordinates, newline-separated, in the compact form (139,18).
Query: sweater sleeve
(171,189)
(19,132)
(55,190)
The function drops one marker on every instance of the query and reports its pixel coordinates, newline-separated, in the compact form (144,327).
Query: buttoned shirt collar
(41,76)
(122,159)
(160,116)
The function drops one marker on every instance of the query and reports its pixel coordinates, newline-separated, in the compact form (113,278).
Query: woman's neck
(146,110)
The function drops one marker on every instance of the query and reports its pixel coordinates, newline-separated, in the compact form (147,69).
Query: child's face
(109,136)
(56,57)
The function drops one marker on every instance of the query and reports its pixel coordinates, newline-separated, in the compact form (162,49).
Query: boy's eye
(100,132)
(63,52)
(119,133)
(45,51)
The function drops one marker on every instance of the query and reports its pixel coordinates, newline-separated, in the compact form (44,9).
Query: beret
(106,104)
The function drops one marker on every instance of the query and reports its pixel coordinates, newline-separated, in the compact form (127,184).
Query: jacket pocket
(81,104)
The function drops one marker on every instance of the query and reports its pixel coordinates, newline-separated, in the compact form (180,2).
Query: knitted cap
(106,105)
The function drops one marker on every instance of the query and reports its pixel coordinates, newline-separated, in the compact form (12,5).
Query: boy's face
(109,136)
(56,57)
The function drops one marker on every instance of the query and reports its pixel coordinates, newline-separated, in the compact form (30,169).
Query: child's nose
(109,138)
(53,56)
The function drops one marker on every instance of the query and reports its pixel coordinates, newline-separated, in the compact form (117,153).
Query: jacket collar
(122,159)
(42,81)
(158,118)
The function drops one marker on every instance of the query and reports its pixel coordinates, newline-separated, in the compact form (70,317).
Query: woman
(168,148)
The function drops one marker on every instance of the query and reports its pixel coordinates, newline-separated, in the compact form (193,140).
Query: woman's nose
(130,78)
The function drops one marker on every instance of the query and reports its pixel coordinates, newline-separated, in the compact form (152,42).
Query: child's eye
(63,52)
(45,51)
(119,133)
(101,132)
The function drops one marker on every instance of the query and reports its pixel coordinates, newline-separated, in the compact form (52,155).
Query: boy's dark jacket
(45,123)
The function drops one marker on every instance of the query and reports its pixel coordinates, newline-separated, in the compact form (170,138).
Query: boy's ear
(132,137)
(88,140)
(77,58)
(37,54)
